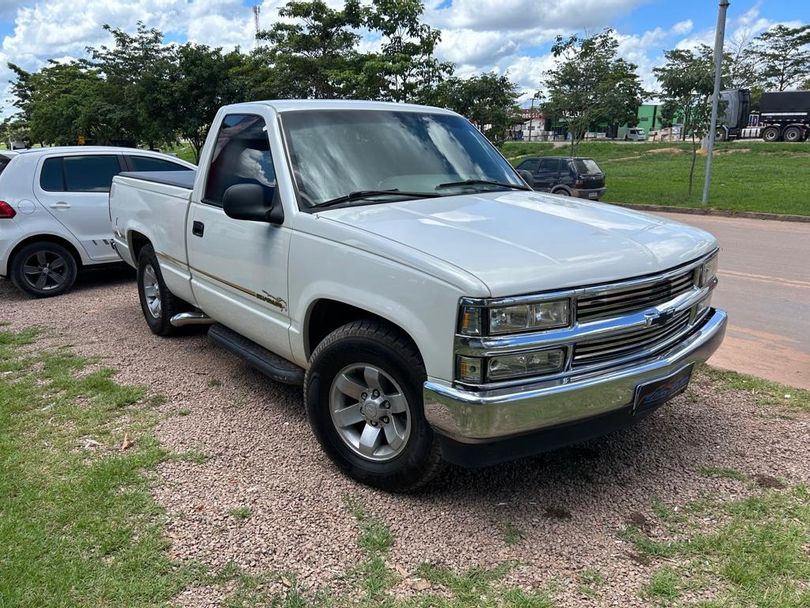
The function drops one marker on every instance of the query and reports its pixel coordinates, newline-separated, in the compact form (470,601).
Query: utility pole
(531,117)
(719,34)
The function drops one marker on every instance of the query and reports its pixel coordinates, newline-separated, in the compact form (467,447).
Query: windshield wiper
(365,194)
(481,182)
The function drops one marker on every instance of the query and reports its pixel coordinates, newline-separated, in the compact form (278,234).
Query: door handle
(197,228)
(60,205)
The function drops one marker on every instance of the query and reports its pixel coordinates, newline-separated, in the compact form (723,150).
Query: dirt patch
(671,151)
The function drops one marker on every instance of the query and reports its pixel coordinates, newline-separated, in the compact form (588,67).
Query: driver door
(239,267)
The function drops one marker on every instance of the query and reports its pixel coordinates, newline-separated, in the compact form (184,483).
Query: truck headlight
(478,370)
(526,364)
(528,317)
(708,271)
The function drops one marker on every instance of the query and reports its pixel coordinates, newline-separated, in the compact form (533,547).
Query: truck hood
(522,242)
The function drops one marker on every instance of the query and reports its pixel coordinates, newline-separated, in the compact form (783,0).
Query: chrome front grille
(617,302)
(629,344)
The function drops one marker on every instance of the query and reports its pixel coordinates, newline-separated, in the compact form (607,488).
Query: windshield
(338,152)
(587,166)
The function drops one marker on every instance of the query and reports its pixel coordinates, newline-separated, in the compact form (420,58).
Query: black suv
(568,176)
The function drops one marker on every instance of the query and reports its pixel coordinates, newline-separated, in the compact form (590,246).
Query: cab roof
(291,105)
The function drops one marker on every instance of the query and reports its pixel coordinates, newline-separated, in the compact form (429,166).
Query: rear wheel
(43,269)
(158,304)
(770,134)
(363,393)
(792,134)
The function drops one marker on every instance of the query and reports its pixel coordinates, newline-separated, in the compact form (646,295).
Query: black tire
(792,134)
(375,344)
(561,192)
(770,134)
(43,269)
(158,318)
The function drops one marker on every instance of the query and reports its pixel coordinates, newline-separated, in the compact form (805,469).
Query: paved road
(765,287)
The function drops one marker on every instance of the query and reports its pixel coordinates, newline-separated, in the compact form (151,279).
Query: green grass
(756,556)
(78,526)
(765,392)
(723,473)
(512,535)
(747,176)
(590,581)
(240,513)
(183,151)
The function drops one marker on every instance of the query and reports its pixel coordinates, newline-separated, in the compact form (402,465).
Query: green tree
(687,84)
(591,84)
(314,55)
(134,68)
(489,101)
(60,103)
(781,56)
(406,66)
(201,80)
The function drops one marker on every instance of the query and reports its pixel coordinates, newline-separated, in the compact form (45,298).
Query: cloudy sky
(508,36)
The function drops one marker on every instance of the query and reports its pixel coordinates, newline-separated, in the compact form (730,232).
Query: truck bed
(181,179)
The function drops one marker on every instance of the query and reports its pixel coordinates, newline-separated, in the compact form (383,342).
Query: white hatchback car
(54,216)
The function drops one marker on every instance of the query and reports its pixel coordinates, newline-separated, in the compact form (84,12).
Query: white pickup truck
(434,307)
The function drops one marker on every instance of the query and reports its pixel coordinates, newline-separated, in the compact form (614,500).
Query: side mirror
(527,177)
(249,202)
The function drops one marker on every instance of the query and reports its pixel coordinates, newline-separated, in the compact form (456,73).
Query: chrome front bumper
(475,417)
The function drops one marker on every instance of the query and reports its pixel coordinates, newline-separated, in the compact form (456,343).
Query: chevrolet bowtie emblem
(656,317)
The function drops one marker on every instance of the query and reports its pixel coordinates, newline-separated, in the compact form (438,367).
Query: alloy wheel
(151,291)
(370,412)
(45,270)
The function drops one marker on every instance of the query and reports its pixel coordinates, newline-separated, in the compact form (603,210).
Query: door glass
(529,165)
(147,163)
(90,173)
(549,165)
(51,178)
(241,156)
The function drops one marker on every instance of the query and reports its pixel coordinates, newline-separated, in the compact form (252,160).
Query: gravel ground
(567,505)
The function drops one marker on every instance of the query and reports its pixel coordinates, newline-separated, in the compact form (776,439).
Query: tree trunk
(692,167)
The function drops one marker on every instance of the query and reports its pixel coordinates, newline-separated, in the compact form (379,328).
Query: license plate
(593,195)
(653,394)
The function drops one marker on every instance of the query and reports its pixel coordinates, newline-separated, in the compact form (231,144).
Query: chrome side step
(191,318)
(258,357)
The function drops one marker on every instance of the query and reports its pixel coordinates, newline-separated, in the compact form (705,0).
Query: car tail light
(579,184)
(6,211)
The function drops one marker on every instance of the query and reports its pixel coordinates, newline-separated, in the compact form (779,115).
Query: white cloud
(683,27)
(522,15)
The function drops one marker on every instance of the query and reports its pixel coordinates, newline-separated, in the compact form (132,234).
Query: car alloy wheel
(370,412)
(45,271)
(151,291)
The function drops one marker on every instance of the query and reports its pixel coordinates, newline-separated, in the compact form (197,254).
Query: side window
(549,165)
(90,173)
(51,178)
(529,165)
(148,163)
(241,156)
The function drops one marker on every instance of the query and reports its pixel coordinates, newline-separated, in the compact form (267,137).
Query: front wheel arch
(326,315)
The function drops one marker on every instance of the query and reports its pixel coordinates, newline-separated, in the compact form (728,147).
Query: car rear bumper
(593,194)
(470,417)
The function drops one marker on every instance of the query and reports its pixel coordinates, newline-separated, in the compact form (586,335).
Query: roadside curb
(753,215)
